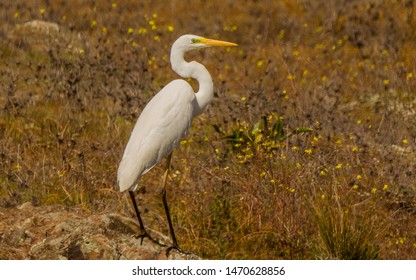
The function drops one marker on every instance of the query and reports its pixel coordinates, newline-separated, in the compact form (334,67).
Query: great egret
(164,121)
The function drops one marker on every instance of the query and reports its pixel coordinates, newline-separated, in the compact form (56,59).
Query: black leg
(143,233)
(172,232)
(165,205)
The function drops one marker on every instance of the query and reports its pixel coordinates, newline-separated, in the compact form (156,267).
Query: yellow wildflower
(142,30)
(281,34)
(260,63)
(401,240)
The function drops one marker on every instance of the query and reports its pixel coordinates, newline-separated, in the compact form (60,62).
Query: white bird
(164,121)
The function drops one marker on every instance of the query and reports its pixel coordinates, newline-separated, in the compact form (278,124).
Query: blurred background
(306,152)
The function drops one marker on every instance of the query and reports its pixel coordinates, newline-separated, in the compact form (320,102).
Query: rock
(41,36)
(42,26)
(53,233)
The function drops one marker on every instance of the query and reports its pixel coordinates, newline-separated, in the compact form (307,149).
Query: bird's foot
(177,248)
(144,235)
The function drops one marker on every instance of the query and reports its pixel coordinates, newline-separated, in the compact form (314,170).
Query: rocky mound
(51,233)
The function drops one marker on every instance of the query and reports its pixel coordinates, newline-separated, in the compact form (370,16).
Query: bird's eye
(195,40)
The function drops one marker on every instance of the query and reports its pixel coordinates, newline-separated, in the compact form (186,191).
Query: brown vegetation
(242,185)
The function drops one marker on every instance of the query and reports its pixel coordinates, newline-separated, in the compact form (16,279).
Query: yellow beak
(216,43)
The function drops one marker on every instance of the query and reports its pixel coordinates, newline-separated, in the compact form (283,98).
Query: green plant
(343,234)
(266,134)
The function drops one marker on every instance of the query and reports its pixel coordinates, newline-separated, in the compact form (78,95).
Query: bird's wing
(159,129)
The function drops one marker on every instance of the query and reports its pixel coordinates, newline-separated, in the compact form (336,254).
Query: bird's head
(190,42)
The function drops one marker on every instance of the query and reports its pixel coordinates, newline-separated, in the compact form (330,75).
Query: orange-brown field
(308,150)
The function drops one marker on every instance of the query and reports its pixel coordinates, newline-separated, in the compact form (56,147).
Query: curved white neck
(198,72)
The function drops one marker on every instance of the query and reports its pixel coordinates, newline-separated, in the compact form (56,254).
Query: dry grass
(346,69)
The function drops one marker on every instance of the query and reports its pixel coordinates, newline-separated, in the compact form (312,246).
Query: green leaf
(217,128)
(302,130)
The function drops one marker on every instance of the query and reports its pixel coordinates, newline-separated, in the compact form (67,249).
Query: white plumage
(161,126)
